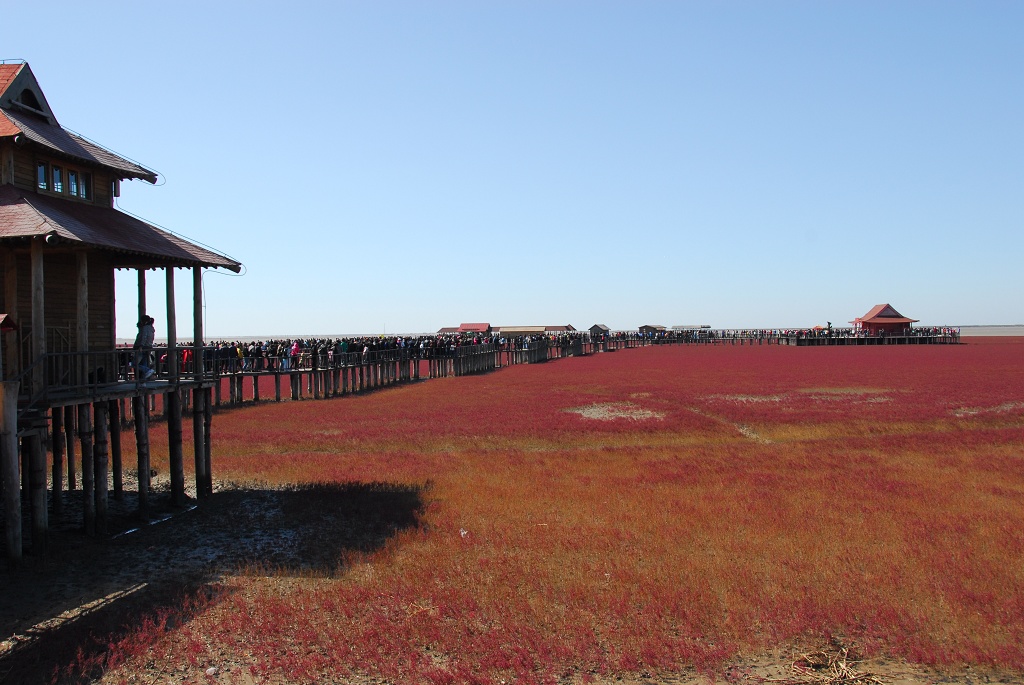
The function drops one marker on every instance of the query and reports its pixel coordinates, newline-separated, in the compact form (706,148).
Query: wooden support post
(199,440)
(57,448)
(172,329)
(69,443)
(116,463)
(9,468)
(176,456)
(88,466)
(38,318)
(141,412)
(255,388)
(11,344)
(200,395)
(208,451)
(277,386)
(172,400)
(101,459)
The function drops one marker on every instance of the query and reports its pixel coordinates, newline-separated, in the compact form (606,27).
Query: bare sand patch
(1003,408)
(609,411)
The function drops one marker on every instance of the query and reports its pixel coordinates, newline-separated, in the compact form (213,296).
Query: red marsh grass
(720,501)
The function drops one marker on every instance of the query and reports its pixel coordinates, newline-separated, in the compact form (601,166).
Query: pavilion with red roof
(883,318)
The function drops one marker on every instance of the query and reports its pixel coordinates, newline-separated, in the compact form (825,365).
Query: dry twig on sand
(830,668)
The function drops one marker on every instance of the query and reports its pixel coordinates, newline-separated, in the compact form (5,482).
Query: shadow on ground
(84,591)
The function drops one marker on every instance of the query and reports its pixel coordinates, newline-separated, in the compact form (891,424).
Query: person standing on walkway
(143,348)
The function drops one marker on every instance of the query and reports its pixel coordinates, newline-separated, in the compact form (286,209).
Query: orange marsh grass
(553,545)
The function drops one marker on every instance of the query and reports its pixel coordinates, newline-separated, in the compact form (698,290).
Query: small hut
(882,318)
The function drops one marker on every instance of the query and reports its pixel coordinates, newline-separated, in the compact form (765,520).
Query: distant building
(882,318)
(516,331)
(568,328)
(648,329)
(467,328)
(598,330)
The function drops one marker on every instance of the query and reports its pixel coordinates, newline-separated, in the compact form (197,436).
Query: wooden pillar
(277,386)
(116,464)
(57,448)
(200,398)
(38,318)
(176,456)
(172,399)
(199,440)
(172,330)
(11,346)
(207,451)
(9,467)
(142,294)
(69,443)
(141,412)
(101,459)
(88,466)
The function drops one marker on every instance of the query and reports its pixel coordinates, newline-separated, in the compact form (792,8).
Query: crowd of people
(285,354)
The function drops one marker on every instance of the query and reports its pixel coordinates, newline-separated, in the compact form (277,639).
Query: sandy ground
(89,587)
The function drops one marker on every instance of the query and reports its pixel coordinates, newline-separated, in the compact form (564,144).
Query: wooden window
(73,182)
(85,186)
(58,179)
(43,175)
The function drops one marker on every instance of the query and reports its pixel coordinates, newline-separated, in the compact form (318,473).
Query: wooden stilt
(199,440)
(175,455)
(116,465)
(88,472)
(142,450)
(207,452)
(57,449)
(101,457)
(69,443)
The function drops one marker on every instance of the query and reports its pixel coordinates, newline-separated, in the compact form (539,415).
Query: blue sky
(393,166)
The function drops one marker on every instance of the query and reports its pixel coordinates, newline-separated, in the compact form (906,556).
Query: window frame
(55,178)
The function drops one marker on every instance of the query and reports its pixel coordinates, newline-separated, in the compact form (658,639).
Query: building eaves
(55,138)
(28,215)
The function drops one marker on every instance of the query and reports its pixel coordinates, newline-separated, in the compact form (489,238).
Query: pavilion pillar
(116,462)
(140,411)
(32,445)
(204,481)
(57,439)
(101,458)
(69,444)
(85,437)
(38,318)
(12,348)
(173,400)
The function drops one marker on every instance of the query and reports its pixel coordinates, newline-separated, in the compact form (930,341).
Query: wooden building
(61,241)
(883,318)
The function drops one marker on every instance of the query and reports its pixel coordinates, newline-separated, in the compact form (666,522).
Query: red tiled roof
(7,127)
(474,327)
(883,313)
(55,138)
(26,214)
(7,74)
